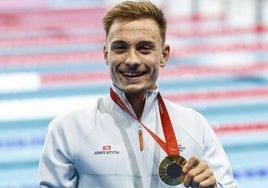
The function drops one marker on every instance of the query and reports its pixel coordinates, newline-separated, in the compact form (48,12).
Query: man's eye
(145,49)
(119,49)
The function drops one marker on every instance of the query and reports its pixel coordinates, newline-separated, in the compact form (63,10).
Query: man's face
(134,54)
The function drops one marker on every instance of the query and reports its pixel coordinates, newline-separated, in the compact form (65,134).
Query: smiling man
(133,137)
(135,54)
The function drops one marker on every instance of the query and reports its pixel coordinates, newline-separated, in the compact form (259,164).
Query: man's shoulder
(78,116)
(178,108)
(186,115)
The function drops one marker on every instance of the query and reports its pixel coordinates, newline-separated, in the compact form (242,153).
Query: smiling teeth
(132,74)
(128,73)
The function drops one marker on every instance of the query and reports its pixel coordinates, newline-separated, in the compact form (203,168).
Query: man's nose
(132,57)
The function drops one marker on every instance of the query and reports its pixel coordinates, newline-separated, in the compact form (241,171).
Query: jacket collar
(151,96)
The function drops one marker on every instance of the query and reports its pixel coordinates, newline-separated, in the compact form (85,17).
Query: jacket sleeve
(56,167)
(215,155)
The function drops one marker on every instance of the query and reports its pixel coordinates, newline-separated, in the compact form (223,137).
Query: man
(130,138)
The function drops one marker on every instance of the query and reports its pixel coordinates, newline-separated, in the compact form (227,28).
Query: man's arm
(213,169)
(56,168)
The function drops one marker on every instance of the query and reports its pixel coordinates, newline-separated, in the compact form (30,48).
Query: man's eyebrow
(118,42)
(147,43)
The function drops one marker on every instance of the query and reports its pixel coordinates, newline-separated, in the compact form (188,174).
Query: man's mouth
(132,73)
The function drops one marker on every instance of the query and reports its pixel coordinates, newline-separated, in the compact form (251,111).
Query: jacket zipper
(141,140)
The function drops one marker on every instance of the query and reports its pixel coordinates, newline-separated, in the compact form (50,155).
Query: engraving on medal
(170,169)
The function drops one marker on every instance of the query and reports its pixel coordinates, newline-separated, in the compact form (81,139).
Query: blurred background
(51,62)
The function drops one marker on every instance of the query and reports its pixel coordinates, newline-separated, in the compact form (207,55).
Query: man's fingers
(193,176)
(192,162)
(209,182)
(204,179)
(199,178)
(198,174)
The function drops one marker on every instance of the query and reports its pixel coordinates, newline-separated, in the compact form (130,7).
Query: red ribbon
(170,146)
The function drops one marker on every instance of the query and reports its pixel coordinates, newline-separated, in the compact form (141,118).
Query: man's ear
(165,56)
(105,53)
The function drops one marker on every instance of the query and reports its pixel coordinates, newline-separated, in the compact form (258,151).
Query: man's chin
(133,90)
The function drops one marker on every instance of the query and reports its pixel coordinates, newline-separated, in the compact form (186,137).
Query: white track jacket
(98,146)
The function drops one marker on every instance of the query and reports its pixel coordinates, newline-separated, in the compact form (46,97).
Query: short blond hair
(132,10)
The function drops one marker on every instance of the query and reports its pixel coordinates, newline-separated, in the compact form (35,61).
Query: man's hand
(198,174)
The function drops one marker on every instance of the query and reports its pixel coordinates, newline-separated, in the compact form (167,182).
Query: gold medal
(170,169)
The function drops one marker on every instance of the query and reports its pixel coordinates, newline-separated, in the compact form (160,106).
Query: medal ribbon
(170,146)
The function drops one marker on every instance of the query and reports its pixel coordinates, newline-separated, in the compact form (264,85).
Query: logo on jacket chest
(106,150)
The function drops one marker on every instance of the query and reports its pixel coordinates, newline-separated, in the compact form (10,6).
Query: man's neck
(137,102)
